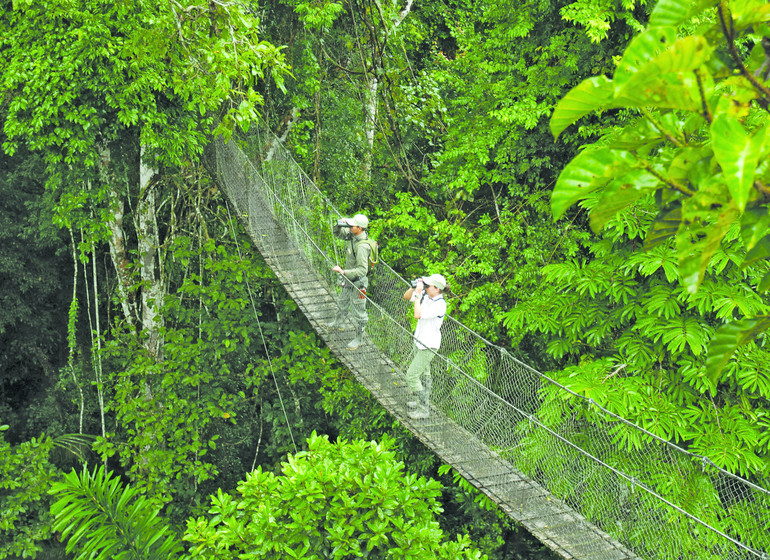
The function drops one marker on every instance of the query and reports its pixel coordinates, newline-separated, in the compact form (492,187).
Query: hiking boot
(417,399)
(357,341)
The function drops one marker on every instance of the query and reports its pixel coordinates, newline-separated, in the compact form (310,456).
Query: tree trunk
(148,243)
(288,123)
(373,82)
(117,240)
(370,119)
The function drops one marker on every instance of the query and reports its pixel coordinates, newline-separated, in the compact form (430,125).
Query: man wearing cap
(351,303)
(429,310)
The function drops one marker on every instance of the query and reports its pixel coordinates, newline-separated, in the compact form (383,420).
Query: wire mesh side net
(655,498)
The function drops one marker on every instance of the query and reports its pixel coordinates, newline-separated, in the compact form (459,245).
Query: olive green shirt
(356,257)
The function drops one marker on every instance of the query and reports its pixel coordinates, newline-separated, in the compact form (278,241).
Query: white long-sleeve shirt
(427,334)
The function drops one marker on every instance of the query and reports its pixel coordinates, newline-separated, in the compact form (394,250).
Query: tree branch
(762,189)
(669,182)
(706,112)
(763,102)
(675,141)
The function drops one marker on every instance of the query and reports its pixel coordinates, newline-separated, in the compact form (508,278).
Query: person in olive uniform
(351,303)
(429,310)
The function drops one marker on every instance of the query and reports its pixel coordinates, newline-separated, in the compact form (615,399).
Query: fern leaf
(663,301)
(728,300)
(102,520)
(561,273)
(650,326)
(661,256)
(686,332)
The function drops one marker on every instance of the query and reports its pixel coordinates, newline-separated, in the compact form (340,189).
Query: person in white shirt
(429,310)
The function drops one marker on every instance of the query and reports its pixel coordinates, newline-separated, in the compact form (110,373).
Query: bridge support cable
(264,346)
(586,482)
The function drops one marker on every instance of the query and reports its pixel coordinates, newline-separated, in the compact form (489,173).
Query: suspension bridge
(585,482)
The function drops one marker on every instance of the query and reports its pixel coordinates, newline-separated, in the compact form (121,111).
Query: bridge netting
(657,499)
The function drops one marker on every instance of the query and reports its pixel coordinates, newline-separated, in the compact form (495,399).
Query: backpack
(374,254)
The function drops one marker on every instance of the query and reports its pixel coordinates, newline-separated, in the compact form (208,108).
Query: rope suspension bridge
(587,483)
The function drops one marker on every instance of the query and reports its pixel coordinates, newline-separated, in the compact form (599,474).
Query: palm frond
(77,444)
(102,519)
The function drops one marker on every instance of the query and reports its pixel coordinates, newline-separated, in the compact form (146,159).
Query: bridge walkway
(586,482)
(548,518)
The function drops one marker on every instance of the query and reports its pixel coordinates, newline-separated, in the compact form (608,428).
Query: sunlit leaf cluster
(700,143)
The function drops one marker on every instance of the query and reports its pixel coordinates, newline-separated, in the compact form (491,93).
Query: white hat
(359,220)
(435,280)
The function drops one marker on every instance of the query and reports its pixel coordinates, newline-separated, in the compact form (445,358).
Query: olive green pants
(352,304)
(420,366)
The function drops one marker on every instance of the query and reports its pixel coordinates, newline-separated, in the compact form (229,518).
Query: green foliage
(78,75)
(597,16)
(170,412)
(101,519)
(498,89)
(317,15)
(699,143)
(25,478)
(335,500)
(635,342)
(475,115)
(340,395)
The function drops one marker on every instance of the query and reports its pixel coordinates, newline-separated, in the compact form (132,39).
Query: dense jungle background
(590,175)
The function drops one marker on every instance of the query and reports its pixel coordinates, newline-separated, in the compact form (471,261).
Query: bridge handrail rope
(580,451)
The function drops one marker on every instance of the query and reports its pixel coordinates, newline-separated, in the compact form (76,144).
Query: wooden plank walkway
(547,517)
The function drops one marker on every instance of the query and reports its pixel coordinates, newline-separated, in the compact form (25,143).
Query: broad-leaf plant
(698,149)
(662,320)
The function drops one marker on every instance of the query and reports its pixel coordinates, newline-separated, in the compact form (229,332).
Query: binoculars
(413,283)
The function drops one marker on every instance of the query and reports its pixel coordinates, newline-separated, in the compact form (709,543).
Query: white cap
(359,220)
(435,280)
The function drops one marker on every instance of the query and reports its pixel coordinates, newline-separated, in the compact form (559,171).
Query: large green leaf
(695,257)
(737,154)
(726,341)
(642,49)
(665,227)
(666,80)
(673,13)
(619,194)
(764,284)
(761,250)
(755,224)
(685,160)
(589,170)
(590,95)
(684,55)
(749,12)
